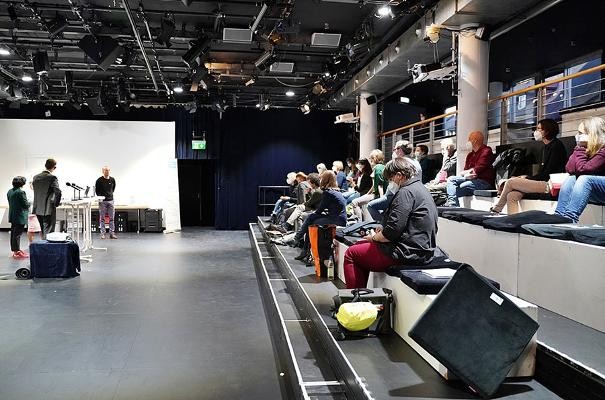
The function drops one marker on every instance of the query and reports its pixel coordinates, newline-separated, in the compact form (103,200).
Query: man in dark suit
(47,197)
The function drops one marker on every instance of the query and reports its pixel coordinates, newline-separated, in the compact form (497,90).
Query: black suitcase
(474,330)
(381,296)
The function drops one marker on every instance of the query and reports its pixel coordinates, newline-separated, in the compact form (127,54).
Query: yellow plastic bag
(357,316)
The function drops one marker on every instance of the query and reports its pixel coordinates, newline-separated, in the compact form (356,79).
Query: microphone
(73,185)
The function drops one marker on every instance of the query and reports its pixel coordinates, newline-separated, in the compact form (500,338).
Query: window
(521,108)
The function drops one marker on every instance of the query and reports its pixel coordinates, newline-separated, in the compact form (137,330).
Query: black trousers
(16,231)
(47,223)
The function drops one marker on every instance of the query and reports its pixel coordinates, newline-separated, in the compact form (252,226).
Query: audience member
(18,208)
(281,204)
(350,167)
(553,161)
(298,211)
(376,159)
(478,171)
(448,166)
(586,167)
(403,149)
(420,155)
(408,231)
(331,210)
(363,184)
(341,177)
(321,167)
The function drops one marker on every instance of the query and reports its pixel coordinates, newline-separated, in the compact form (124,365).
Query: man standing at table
(105,186)
(47,197)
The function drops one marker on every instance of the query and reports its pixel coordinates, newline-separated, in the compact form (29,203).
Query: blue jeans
(377,206)
(349,197)
(458,186)
(106,208)
(279,207)
(576,192)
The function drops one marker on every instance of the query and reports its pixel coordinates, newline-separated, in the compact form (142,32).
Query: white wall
(140,155)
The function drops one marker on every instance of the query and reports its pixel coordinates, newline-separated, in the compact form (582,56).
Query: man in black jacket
(47,197)
(408,232)
(104,186)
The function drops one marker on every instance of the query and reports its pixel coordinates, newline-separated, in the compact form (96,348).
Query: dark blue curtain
(260,148)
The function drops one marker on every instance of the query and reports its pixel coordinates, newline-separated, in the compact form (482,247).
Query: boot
(303,254)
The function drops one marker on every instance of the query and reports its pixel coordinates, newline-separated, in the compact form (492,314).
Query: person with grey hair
(403,149)
(448,167)
(408,231)
(283,201)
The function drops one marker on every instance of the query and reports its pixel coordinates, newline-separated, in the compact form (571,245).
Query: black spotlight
(103,50)
(41,63)
(357,50)
(166,32)
(197,49)
(12,13)
(57,26)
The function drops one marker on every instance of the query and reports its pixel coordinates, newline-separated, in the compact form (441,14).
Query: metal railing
(267,196)
(514,114)
(428,131)
(517,113)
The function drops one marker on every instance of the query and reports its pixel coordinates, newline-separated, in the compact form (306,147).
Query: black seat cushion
(513,223)
(594,235)
(441,210)
(539,196)
(422,283)
(486,193)
(467,215)
(474,330)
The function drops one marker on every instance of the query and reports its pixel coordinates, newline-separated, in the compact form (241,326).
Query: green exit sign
(198,145)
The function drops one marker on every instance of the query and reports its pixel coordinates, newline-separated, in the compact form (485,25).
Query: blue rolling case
(54,259)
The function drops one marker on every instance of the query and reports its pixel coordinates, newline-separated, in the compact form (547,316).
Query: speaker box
(40,61)
(474,330)
(97,106)
(103,50)
(371,100)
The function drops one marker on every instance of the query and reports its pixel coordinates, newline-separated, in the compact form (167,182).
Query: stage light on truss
(4,51)
(250,81)
(27,78)
(305,108)
(290,93)
(177,89)
(383,11)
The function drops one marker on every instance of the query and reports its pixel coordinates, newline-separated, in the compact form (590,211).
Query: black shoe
(309,261)
(303,254)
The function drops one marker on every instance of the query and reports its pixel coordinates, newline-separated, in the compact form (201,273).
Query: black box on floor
(54,259)
(153,220)
(474,330)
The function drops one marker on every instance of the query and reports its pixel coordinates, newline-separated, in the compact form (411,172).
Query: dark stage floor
(175,316)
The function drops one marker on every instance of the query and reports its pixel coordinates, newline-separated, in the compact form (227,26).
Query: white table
(79,217)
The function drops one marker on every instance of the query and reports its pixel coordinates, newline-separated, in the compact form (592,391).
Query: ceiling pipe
(155,53)
(140,42)
(260,15)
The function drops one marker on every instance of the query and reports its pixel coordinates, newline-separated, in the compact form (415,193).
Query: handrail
(424,121)
(548,83)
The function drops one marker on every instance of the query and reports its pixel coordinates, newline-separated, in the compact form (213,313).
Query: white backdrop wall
(139,154)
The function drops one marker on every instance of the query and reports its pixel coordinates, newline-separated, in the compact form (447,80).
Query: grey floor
(159,316)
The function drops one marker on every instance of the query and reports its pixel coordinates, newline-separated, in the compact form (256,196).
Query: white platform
(565,277)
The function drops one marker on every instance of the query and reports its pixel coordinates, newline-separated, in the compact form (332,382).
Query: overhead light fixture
(57,26)
(27,78)
(177,89)
(12,13)
(198,48)
(381,60)
(264,57)
(384,11)
(403,99)
(257,105)
(305,108)
(4,52)
(290,93)
(250,81)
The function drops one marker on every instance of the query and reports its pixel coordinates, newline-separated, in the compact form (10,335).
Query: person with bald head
(105,186)
(478,174)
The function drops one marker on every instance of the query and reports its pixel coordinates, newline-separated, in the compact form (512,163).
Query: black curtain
(261,147)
